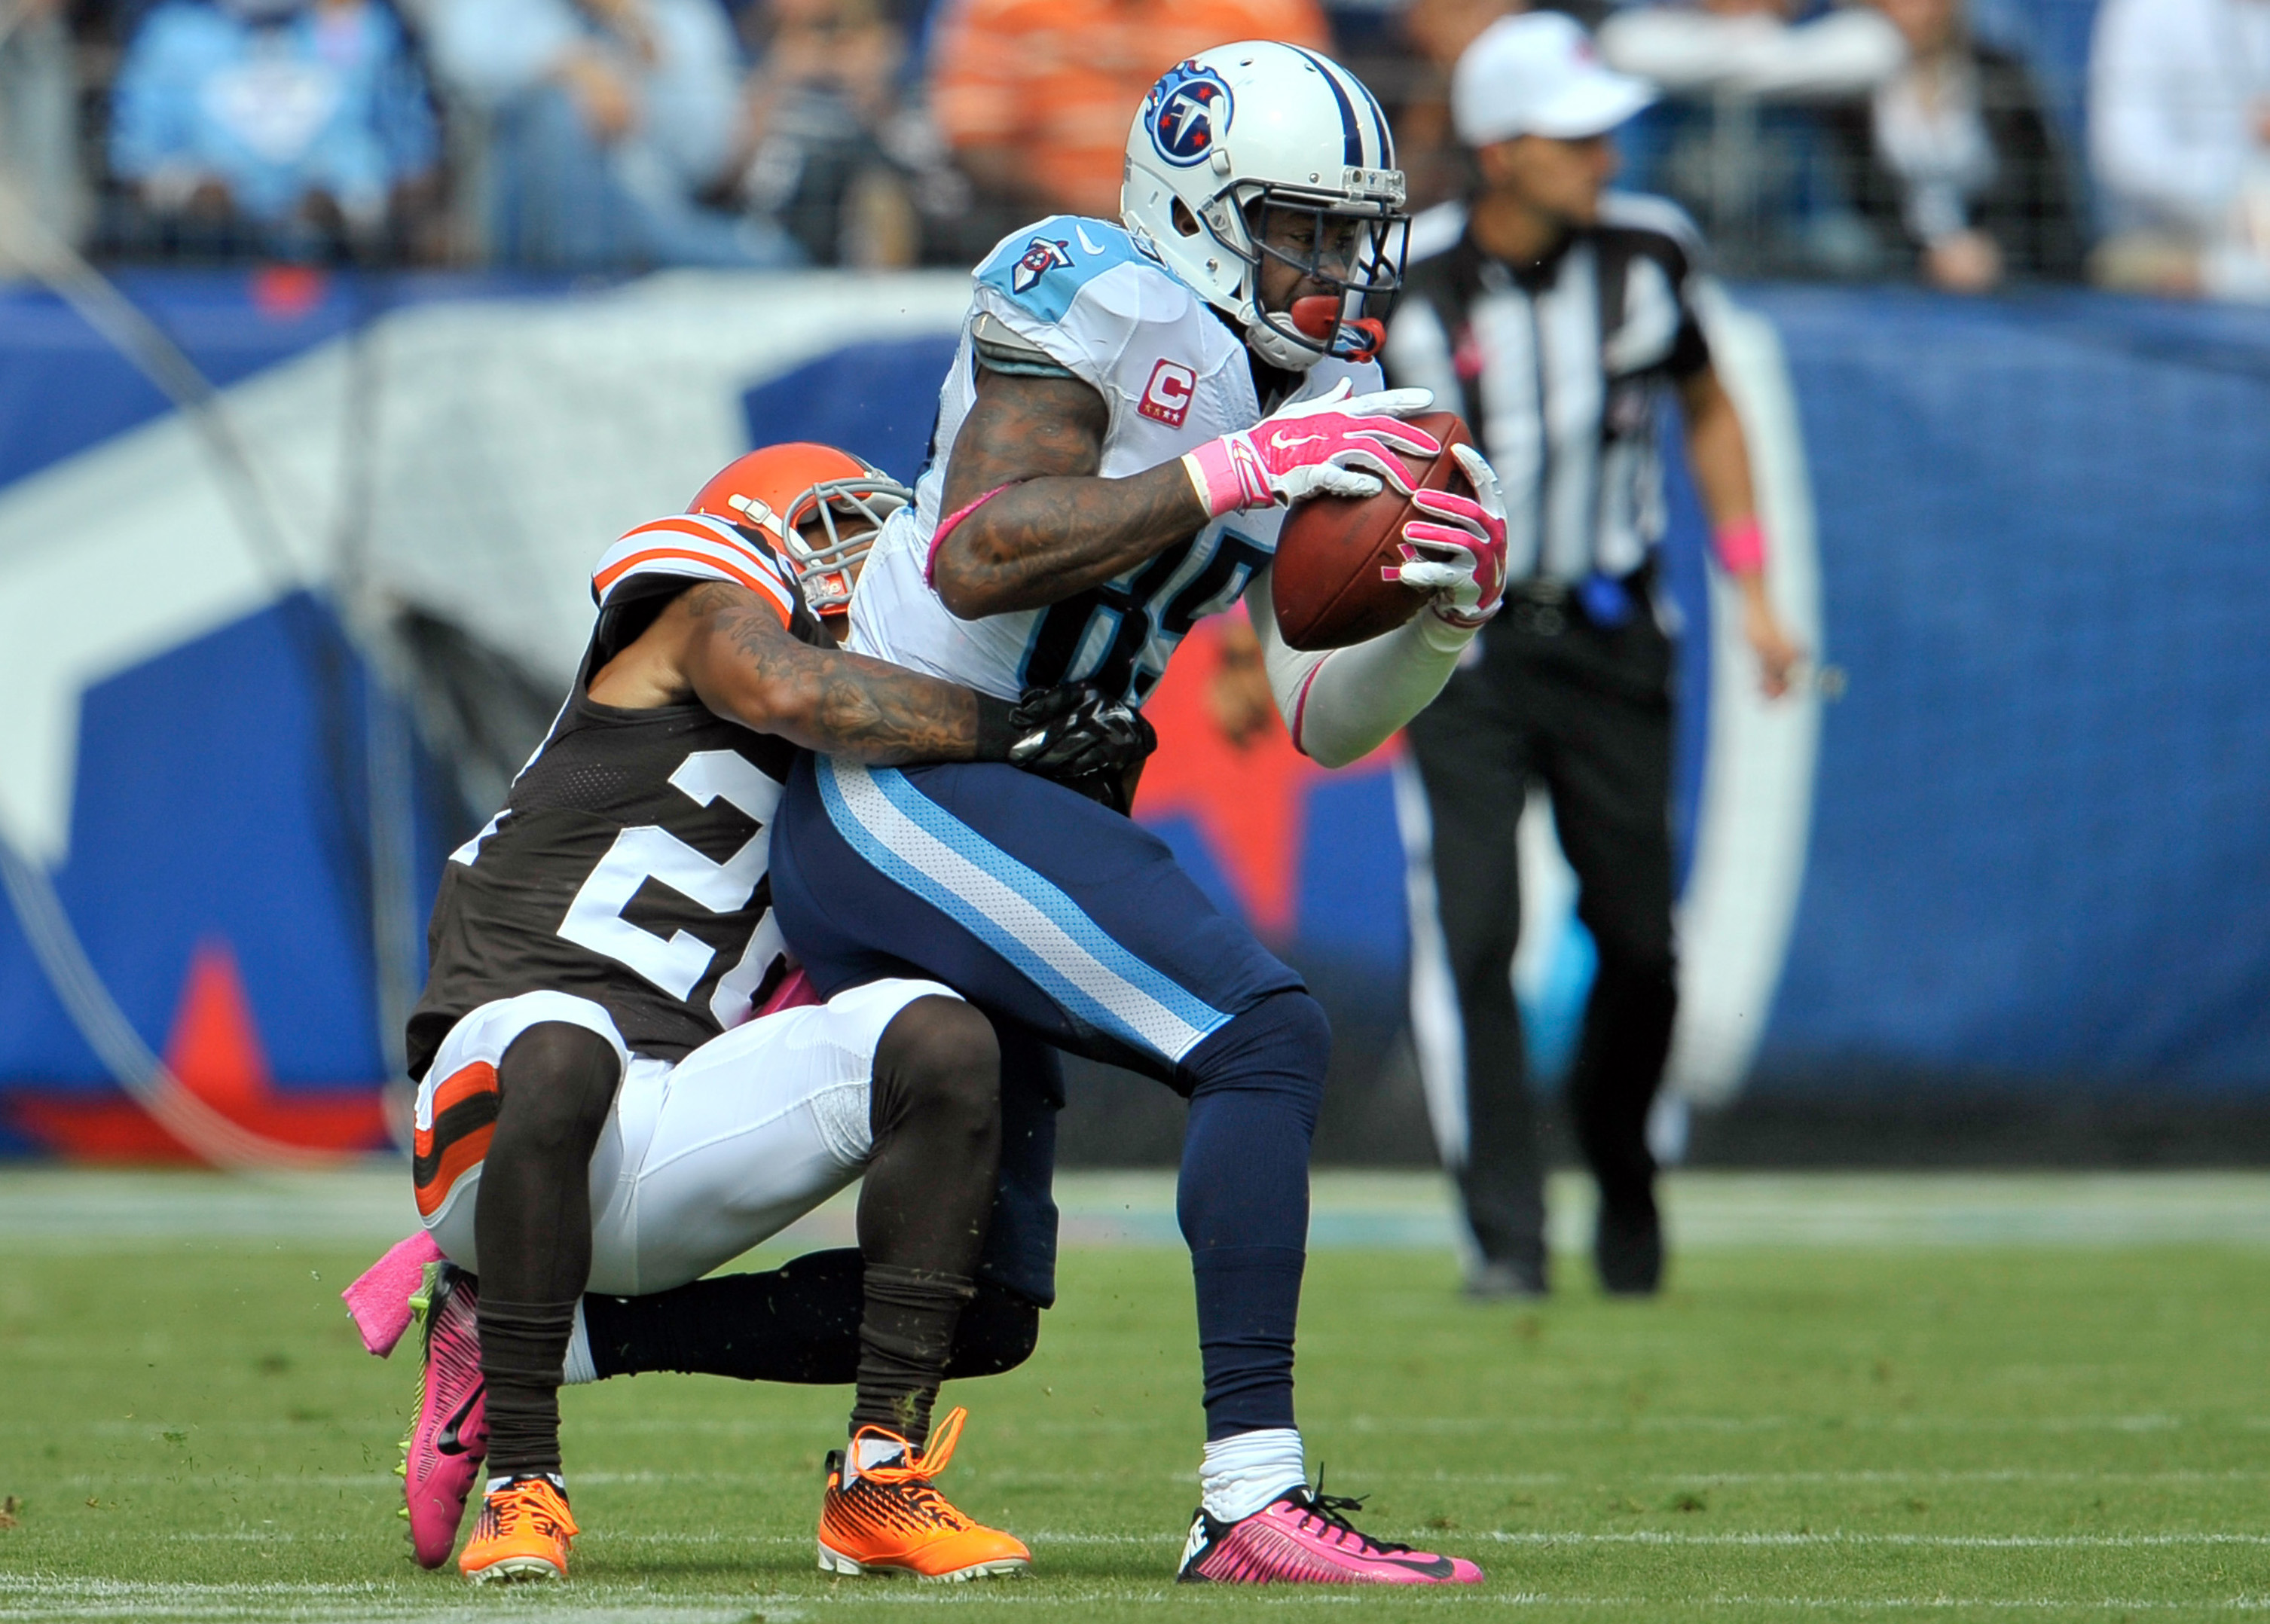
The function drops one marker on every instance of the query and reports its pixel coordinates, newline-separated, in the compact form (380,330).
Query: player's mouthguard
(1318,317)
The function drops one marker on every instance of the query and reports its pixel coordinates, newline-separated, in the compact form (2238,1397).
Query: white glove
(1334,446)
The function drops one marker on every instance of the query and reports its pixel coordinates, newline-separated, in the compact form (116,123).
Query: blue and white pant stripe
(1014,911)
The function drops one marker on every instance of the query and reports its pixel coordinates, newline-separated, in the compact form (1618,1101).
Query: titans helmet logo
(1188,114)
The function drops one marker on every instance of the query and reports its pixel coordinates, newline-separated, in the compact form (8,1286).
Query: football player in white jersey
(1133,404)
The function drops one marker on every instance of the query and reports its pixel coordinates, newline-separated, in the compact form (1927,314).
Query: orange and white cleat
(522,1533)
(892,1520)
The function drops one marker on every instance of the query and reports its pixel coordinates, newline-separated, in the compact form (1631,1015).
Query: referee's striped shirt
(1560,369)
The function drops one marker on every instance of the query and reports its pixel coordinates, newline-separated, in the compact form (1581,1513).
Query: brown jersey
(630,864)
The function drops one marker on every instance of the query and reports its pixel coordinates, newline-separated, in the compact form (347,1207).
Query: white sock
(578,1367)
(866,1452)
(1244,1472)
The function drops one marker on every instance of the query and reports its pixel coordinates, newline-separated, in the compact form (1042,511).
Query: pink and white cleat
(1303,1537)
(449,1429)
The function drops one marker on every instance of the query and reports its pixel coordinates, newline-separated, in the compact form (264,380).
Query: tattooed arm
(1058,528)
(725,646)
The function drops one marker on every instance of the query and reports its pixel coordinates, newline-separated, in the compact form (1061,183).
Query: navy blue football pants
(1059,917)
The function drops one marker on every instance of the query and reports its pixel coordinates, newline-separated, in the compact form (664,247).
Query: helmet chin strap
(1274,347)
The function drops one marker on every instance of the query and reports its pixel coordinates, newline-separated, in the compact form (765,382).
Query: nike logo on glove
(1279,442)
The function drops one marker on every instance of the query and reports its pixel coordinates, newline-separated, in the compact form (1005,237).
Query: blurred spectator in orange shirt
(1035,96)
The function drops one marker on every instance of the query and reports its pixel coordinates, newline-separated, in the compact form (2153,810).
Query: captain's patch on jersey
(1043,254)
(1187,114)
(1167,397)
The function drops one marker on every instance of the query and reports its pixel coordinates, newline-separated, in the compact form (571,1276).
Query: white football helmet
(1242,135)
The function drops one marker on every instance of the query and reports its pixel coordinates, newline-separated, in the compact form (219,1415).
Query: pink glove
(1316,447)
(1462,560)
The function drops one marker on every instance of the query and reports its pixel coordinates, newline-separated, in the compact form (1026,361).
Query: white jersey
(1173,376)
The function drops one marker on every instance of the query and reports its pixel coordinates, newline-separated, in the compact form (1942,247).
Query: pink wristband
(946,528)
(1741,547)
(1228,476)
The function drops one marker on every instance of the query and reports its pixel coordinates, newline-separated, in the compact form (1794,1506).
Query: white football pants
(701,1159)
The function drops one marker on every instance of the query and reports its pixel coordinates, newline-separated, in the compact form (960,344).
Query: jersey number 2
(677,963)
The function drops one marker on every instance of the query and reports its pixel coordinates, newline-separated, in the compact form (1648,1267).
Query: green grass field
(1884,1415)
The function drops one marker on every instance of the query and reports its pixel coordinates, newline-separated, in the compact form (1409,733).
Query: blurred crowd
(1875,139)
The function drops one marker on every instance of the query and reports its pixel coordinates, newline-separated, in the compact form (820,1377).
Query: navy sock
(1243,1202)
(799,1323)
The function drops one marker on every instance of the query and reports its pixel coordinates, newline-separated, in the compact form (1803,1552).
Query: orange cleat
(891,1519)
(523,1533)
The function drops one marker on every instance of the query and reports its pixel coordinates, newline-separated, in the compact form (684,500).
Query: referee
(1559,317)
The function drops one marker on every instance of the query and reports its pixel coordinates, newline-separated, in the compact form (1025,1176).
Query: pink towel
(380,1301)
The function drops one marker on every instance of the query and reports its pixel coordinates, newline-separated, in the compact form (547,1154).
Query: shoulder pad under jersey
(1081,290)
(1041,270)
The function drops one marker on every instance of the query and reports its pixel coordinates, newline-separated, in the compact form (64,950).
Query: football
(1328,588)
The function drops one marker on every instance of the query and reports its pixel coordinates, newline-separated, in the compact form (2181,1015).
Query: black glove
(1081,739)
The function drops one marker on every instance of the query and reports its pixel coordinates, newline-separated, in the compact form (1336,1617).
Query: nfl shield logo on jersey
(1188,114)
(1043,254)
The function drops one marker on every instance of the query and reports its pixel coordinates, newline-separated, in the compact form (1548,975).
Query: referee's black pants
(1585,710)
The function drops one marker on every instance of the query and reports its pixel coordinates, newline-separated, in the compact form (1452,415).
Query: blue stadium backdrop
(2024,853)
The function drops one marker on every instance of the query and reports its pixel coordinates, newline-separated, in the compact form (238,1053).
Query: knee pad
(1283,1044)
(936,1049)
(556,1084)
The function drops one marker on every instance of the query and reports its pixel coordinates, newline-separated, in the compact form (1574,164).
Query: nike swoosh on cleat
(1193,1546)
(446,1441)
(1438,1568)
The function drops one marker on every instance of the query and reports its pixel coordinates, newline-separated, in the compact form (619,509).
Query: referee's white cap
(1539,74)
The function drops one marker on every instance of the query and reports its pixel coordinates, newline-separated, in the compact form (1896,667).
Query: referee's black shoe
(1628,1249)
(1502,1279)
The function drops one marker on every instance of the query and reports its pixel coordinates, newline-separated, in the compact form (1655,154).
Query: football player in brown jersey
(623,1083)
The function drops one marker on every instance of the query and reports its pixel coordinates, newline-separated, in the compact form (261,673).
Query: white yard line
(1951,1542)
(1810,1603)
(1762,1540)
(31,1597)
(35,1596)
(1013,1478)
(68,1208)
